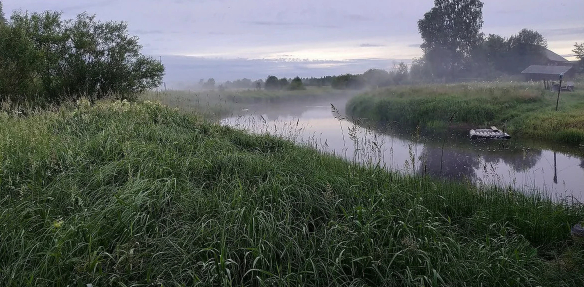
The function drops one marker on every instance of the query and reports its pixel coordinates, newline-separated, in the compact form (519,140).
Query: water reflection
(504,163)
(449,163)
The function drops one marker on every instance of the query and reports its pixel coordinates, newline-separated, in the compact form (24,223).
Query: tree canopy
(296,84)
(272,83)
(47,60)
(2,17)
(579,52)
(450,31)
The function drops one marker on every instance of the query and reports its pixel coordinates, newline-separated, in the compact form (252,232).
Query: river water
(521,165)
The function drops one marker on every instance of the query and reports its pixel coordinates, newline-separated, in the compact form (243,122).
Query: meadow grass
(138,194)
(523,109)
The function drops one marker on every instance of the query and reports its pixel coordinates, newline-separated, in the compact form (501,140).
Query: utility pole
(559,91)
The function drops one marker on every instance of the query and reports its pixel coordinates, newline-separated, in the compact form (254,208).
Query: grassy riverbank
(524,110)
(123,194)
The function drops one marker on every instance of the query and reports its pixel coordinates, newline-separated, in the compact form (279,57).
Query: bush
(296,84)
(47,60)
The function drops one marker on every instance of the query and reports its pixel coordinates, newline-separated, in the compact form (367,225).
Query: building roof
(546,70)
(554,57)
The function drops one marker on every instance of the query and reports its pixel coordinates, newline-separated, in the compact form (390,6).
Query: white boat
(492,133)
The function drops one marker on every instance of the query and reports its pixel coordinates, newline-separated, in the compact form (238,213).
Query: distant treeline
(371,78)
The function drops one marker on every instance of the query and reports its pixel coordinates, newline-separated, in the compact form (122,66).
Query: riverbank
(136,193)
(523,110)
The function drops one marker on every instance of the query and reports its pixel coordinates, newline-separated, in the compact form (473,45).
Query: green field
(137,194)
(524,110)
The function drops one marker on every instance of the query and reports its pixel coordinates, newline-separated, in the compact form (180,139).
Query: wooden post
(559,91)
(555,169)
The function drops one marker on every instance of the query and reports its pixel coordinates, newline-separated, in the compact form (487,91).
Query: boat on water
(491,133)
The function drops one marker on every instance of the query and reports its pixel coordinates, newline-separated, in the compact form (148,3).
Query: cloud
(565,31)
(148,32)
(87,6)
(289,24)
(370,45)
(414,45)
(357,18)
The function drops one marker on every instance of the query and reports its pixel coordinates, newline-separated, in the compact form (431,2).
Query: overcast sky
(230,39)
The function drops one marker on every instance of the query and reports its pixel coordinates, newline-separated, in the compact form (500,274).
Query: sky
(233,39)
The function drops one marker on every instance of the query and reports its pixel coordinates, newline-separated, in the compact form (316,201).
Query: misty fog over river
(518,164)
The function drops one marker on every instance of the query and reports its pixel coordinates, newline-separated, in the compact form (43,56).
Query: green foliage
(272,83)
(377,78)
(135,194)
(210,84)
(296,84)
(579,52)
(348,82)
(48,60)
(525,49)
(283,83)
(521,109)
(401,73)
(450,31)
(2,17)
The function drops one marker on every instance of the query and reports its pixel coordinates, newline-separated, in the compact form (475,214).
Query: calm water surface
(513,163)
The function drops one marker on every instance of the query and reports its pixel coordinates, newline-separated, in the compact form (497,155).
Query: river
(521,165)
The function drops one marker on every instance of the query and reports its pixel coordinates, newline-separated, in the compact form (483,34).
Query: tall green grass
(522,109)
(137,194)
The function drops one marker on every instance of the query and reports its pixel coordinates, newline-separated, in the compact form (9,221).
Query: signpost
(559,91)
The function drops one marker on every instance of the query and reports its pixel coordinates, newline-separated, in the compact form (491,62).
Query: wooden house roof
(546,70)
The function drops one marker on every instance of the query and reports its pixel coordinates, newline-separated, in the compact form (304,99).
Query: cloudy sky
(230,39)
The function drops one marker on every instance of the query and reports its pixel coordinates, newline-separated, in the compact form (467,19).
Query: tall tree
(376,77)
(272,83)
(296,84)
(579,52)
(450,31)
(2,18)
(525,48)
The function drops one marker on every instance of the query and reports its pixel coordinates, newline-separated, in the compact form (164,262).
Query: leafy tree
(496,52)
(420,70)
(49,60)
(210,84)
(348,82)
(2,18)
(377,78)
(259,83)
(401,73)
(450,31)
(579,52)
(272,83)
(525,49)
(283,83)
(296,84)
